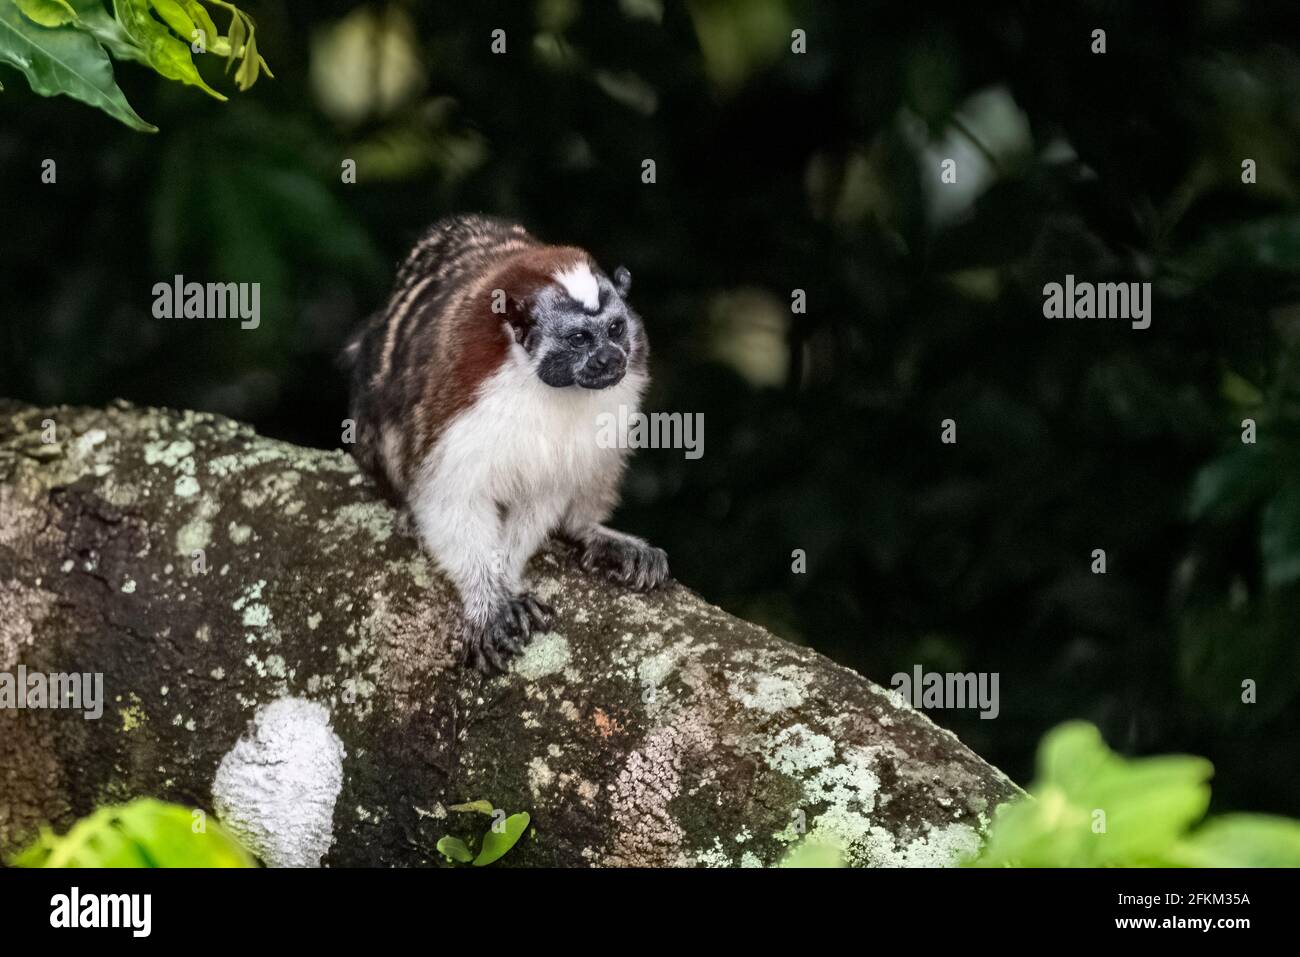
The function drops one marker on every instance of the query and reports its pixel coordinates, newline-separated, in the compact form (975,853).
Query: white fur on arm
(462,533)
(592,506)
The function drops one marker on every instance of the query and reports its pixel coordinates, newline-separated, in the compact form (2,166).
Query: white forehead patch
(580,284)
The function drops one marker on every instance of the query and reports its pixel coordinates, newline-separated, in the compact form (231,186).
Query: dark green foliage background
(796,173)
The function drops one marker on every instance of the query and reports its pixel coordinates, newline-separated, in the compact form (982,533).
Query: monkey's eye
(616,328)
(579,338)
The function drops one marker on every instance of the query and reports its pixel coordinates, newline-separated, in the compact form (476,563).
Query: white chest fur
(507,471)
(524,442)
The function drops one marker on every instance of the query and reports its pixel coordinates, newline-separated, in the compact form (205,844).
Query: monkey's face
(582,332)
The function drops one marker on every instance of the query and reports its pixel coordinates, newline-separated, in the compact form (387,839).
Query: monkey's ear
(519,317)
(622,280)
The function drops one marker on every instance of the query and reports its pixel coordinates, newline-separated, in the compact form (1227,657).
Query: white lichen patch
(849,788)
(798,749)
(239,534)
(236,462)
(656,666)
(841,789)
(546,655)
(195,535)
(548,588)
(276,788)
(637,611)
(895,698)
(840,786)
(186,487)
(540,777)
(275,488)
(715,856)
(256,615)
(170,454)
(358,690)
(943,846)
(771,692)
(369,517)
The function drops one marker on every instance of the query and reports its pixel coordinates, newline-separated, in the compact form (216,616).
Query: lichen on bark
(209,572)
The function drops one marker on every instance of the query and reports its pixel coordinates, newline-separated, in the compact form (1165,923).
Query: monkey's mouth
(599,380)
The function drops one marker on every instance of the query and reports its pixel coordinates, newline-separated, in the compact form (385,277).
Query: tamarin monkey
(475,395)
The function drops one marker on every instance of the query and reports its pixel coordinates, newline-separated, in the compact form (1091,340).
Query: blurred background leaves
(1093,808)
(775,172)
(142,833)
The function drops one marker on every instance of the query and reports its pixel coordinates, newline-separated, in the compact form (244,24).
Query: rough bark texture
(304,686)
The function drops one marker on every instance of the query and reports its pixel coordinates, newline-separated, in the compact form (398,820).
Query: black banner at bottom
(333,906)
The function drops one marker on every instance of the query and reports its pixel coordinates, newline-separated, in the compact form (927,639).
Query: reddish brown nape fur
(476,343)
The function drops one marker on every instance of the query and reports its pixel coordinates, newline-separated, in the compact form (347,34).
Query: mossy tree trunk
(275,648)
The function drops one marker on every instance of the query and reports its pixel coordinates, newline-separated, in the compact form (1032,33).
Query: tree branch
(302,681)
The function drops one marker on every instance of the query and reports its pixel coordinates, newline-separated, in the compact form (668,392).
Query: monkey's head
(578,329)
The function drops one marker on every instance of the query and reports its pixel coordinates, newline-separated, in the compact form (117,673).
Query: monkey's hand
(624,559)
(489,644)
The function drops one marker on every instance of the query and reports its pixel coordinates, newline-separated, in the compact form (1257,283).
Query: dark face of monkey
(588,341)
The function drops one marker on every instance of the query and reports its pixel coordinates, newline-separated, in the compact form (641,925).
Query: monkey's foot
(490,645)
(532,612)
(625,560)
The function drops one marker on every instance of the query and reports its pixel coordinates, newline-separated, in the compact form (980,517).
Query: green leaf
(1093,808)
(246,75)
(496,844)
(1239,390)
(482,807)
(143,833)
(242,45)
(174,15)
(202,21)
(455,849)
(1280,538)
(65,61)
(167,55)
(237,34)
(1234,482)
(99,23)
(1242,840)
(810,853)
(48,13)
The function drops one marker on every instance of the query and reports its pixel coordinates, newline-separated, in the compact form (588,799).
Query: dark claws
(539,613)
(625,560)
(489,646)
(480,652)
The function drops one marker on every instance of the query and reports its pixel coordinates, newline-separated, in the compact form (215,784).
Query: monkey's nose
(604,360)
